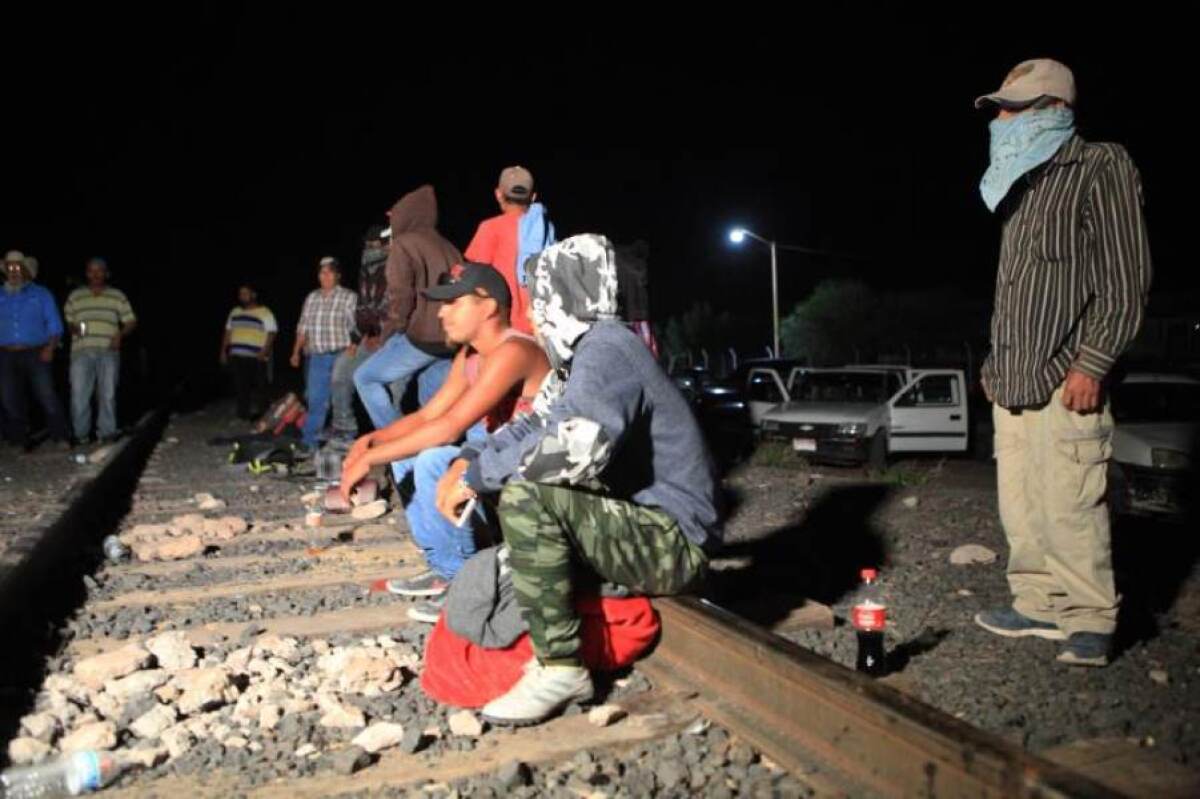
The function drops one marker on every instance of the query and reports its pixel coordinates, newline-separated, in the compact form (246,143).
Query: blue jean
(94,371)
(17,368)
(395,363)
(446,547)
(317,390)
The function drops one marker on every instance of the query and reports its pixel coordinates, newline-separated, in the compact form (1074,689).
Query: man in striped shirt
(246,347)
(99,318)
(1070,292)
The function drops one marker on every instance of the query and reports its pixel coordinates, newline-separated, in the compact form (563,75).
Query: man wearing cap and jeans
(497,240)
(30,329)
(495,375)
(1070,292)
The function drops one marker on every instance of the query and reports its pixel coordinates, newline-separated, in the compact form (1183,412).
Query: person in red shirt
(496,240)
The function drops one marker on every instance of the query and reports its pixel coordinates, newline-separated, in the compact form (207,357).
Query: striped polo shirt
(248,329)
(103,314)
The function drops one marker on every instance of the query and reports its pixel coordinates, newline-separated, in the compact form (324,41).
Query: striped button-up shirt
(1074,273)
(327,320)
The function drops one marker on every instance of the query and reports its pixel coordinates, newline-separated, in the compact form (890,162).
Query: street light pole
(775,295)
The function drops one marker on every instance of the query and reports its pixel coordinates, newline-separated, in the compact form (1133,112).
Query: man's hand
(295,360)
(264,356)
(115,344)
(352,350)
(987,390)
(1081,393)
(359,449)
(352,475)
(46,353)
(451,494)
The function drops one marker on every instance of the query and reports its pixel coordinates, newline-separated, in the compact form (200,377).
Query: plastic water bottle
(114,550)
(869,618)
(71,775)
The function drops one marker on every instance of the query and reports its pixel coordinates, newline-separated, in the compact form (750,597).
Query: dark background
(202,146)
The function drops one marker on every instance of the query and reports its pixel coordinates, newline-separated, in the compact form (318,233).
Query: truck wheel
(877,455)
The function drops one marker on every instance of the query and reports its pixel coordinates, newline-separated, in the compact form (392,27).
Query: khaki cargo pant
(1051,466)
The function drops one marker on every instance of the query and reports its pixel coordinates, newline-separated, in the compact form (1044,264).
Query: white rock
(286,649)
(379,736)
(465,723)
(386,641)
(604,715)
(168,693)
(305,750)
(269,715)
(238,661)
(254,746)
(343,717)
(320,646)
(101,735)
(209,502)
(971,553)
(219,732)
(204,689)
(152,723)
(43,726)
(69,687)
(172,650)
(145,758)
(136,684)
(178,740)
(297,705)
(911,502)
(93,672)
(368,674)
(1159,676)
(27,751)
(108,706)
(235,742)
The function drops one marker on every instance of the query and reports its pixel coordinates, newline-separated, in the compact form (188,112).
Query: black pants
(249,380)
(20,371)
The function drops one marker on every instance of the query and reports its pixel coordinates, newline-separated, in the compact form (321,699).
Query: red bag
(614,633)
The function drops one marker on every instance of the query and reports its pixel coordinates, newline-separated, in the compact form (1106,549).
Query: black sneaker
(426,584)
(1011,624)
(428,611)
(1086,649)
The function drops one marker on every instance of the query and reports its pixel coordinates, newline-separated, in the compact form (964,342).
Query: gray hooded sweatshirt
(619,419)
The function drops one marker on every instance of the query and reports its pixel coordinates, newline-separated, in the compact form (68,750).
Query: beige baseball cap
(516,182)
(14,257)
(1030,81)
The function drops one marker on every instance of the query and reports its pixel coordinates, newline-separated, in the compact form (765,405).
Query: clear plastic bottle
(70,775)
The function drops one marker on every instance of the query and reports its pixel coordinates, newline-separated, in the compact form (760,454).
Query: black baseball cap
(466,278)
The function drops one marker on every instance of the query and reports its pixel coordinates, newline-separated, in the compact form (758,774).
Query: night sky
(202,147)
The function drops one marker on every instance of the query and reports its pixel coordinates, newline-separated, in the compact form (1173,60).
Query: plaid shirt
(327,320)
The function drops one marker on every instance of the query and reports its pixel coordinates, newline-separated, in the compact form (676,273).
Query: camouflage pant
(558,536)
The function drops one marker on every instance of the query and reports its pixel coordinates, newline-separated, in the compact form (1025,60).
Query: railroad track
(721,707)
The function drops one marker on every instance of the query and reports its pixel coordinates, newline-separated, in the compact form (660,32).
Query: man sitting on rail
(611,479)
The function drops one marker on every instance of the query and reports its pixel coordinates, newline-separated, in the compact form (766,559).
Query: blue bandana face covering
(1021,143)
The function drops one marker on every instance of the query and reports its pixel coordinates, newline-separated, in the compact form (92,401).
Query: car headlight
(769,425)
(1169,459)
(855,429)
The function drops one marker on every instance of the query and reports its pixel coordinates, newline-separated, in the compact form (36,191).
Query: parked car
(1155,442)
(862,414)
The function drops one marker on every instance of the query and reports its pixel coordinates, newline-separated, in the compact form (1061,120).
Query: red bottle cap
(869,574)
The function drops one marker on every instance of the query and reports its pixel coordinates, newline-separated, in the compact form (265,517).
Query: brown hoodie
(417,257)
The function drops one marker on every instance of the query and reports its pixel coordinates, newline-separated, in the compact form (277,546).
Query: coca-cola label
(869,617)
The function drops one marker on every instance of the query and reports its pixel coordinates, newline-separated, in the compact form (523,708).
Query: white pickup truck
(862,414)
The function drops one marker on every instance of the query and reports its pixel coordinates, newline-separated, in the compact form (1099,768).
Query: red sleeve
(482,249)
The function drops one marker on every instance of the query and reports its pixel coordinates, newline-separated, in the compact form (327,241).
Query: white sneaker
(540,693)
